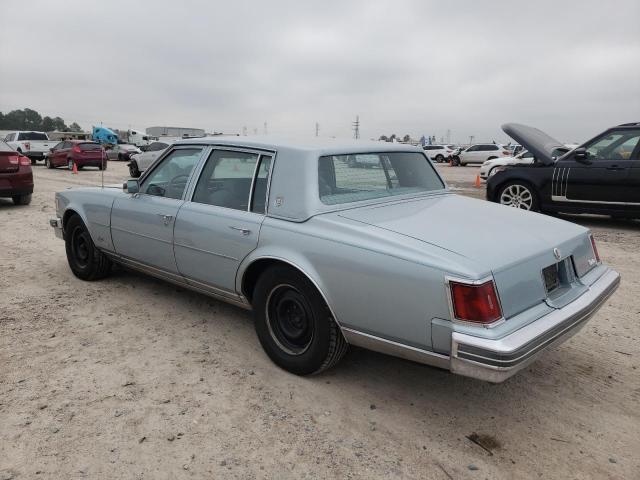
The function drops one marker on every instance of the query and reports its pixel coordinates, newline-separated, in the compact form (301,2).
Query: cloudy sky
(417,67)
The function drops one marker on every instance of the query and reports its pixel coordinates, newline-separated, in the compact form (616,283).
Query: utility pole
(265,128)
(356,127)
(448,135)
(317,128)
(471,137)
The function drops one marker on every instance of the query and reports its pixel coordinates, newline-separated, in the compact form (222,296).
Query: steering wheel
(172,184)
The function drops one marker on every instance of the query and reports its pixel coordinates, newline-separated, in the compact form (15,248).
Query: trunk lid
(9,159)
(514,245)
(534,140)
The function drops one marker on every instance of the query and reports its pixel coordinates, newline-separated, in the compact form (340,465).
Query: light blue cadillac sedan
(333,243)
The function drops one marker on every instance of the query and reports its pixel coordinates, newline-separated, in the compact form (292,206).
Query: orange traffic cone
(74,171)
(477,181)
(451,162)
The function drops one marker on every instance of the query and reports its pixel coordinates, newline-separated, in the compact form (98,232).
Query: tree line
(29,119)
(391,138)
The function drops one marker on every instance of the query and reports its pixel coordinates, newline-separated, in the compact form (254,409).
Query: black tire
(133,170)
(47,163)
(535,202)
(33,161)
(439,158)
(455,161)
(293,323)
(21,199)
(85,260)
(120,157)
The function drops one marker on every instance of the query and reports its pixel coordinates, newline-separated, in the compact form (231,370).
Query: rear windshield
(32,136)
(358,177)
(86,147)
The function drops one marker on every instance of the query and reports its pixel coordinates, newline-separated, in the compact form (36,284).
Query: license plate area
(551,277)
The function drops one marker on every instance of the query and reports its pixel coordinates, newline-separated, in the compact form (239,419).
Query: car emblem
(556,253)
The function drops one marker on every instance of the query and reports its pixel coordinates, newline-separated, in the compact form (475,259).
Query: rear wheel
(439,158)
(47,163)
(33,161)
(21,199)
(455,161)
(518,195)
(293,323)
(85,260)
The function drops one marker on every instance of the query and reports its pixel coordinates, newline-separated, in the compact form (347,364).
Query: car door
(61,154)
(470,154)
(602,178)
(219,227)
(142,223)
(53,154)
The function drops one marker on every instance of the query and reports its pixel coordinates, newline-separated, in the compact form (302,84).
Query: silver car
(139,162)
(328,252)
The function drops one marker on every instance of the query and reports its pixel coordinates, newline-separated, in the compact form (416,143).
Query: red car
(16,178)
(78,152)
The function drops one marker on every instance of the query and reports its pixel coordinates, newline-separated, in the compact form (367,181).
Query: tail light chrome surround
(450,281)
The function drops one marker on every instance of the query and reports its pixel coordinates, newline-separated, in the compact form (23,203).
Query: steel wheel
(289,319)
(81,246)
(518,196)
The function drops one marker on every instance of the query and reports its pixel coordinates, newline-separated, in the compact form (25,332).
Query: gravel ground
(130,377)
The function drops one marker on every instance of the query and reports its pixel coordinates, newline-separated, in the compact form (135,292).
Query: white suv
(480,153)
(439,153)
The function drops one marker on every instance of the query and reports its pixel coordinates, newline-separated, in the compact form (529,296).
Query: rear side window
(226,179)
(358,177)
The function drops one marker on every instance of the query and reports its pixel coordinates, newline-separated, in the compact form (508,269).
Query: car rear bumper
(16,183)
(495,360)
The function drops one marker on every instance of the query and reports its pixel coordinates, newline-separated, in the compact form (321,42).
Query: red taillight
(25,160)
(506,152)
(76,149)
(595,249)
(27,146)
(475,303)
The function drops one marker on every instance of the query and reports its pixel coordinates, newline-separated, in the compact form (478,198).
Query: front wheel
(518,195)
(293,323)
(85,260)
(455,161)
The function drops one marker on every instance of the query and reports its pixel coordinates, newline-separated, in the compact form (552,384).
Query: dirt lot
(133,378)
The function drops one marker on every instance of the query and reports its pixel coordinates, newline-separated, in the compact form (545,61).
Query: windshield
(32,136)
(358,177)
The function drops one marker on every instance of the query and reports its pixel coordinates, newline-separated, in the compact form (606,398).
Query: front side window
(354,178)
(473,148)
(169,179)
(614,146)
(225,180)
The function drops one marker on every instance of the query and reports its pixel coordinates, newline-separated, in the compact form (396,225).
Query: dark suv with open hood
(601,176)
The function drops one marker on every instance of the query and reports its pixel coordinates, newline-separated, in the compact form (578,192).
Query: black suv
(601,176)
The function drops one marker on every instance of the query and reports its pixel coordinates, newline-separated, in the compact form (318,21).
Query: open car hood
(534,140)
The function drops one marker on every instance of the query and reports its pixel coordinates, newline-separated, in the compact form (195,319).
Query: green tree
(383,138)
(74,127)
(48,125)
(406,138)
(32,119)
(58,124)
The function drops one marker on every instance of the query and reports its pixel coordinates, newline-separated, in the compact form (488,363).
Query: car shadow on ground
(387,380)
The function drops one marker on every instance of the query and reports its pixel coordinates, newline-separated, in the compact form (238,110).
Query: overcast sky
(570,68)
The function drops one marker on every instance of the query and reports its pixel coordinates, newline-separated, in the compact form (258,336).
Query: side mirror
(581,155)
(51,149)
(131,186)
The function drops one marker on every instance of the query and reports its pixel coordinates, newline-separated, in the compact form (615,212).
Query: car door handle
(243,231)
(166,218)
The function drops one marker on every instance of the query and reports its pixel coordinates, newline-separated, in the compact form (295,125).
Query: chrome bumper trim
(497,360)
(56,223)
